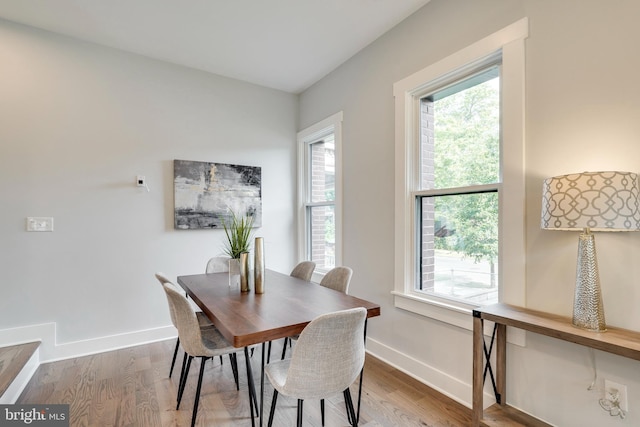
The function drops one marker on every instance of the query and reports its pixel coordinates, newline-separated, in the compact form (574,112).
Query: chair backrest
(164,279)
(304,270)
(185,320)
(328,356)
(217,264)
(338,279)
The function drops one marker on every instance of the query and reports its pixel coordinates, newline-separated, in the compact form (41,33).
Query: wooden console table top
(614,340)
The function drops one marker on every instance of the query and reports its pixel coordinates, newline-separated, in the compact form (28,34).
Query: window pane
(323,173)
(459,247)
(323,236)
(460,134)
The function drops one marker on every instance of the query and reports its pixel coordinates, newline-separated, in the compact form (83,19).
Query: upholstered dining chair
(326,360)
(204,343)
(217,264)
(338,279)
(203,321)
(304,270)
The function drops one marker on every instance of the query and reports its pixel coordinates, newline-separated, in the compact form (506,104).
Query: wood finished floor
(130,387)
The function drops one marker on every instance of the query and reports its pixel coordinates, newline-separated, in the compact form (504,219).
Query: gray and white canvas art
(206,193)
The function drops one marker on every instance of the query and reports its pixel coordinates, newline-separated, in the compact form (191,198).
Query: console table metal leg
(501,363)
(478,368)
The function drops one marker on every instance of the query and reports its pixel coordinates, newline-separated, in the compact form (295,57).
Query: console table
(615,340)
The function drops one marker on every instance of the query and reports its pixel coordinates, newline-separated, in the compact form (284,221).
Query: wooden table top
(284,309)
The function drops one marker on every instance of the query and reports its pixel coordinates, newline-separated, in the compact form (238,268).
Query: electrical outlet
(614,391)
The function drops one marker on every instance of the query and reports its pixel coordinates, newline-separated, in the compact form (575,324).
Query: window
(320,191)
(460,180)
(457,197)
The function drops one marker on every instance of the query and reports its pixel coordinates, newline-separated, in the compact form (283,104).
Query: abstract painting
(206,193)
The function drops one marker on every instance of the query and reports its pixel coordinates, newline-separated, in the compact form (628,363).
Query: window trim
(510,41)
(306,137)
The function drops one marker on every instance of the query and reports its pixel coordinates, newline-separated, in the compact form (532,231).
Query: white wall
(78,123)
(583,104)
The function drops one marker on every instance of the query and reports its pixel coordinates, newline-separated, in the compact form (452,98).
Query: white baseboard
(444,383)
(112,342)
(51,351)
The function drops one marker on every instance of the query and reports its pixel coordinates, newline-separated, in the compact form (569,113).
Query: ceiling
(282,44)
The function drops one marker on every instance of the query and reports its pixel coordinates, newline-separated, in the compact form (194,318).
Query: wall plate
(39,223)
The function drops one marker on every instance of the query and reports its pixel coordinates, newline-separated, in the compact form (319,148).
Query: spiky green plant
(238,230)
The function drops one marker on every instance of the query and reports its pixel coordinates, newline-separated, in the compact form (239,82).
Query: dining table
(248,318)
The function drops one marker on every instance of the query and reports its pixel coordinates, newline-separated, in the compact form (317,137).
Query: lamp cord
(592,355)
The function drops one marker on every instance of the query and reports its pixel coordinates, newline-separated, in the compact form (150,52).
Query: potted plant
(238,230)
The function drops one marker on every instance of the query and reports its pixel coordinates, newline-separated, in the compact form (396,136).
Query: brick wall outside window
(322,180)
(427,251)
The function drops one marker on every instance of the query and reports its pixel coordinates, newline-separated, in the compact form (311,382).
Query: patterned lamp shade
(600,201)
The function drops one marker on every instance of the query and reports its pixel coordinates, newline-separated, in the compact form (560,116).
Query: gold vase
(244,272)
(258,265)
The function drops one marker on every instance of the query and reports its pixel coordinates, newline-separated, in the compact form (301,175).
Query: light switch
(39,223)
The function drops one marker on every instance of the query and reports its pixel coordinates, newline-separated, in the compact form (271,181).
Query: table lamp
(590,201)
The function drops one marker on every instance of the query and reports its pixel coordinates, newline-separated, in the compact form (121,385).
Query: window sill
(448,313)
(451,314)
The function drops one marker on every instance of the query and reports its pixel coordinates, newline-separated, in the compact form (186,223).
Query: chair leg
(346,407)
(300,402)
(357,411)
(269,353)
(197,401)
(351,413)
(284,348)
(185,374)
(234,369)
(273,407)
(175,353)
(322,411)
(184,364)
(255,400)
